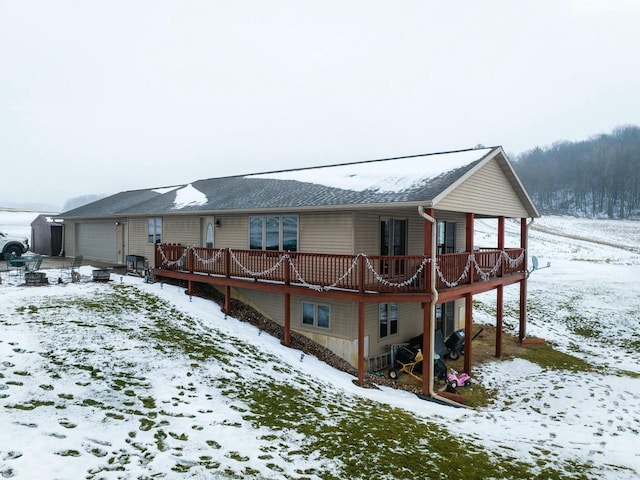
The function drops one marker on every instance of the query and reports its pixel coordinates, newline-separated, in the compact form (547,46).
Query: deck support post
(361,316)
(468,323)
(287,303)
(501,244)
(470,232)
(227,299)
(287,319)
(427,357)
(499,317)
(524,235)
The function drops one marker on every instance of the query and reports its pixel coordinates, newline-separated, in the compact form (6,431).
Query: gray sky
(101,97)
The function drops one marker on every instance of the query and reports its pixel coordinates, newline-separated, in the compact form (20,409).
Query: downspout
(434,293)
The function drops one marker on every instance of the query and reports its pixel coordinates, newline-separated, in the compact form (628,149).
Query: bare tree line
(598,177)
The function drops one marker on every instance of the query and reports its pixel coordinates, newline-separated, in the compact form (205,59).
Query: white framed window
(316,315)
(388,319)
(154,230)
(273,233)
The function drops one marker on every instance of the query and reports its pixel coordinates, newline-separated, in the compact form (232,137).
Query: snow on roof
(189,196)
(391,175)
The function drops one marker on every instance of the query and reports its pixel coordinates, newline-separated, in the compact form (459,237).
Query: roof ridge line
(358,162)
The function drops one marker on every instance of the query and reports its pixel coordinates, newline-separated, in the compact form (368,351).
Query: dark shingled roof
(112,205)
(266,191)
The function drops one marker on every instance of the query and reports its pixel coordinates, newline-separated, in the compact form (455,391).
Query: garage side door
(97,241)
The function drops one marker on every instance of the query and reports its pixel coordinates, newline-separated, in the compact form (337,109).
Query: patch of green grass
(549,358)
(68,453)
(346,434)
(477,395)
(148,402)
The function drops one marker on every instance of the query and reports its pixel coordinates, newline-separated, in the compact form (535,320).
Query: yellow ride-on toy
(408,362)
(408,358)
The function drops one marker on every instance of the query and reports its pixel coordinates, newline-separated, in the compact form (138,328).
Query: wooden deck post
(501,243)
(287,304)
(499,314)
(470,232)
(361,316)
(190,260)
(227,299)
(287,319)
(524,235)
(427,356)
(469,240)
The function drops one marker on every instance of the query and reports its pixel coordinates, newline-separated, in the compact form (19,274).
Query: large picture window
(273,233)
(316,315)
(388,319)
(154,230)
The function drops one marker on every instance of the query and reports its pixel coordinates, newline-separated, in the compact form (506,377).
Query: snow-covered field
(92,384)
(17,223)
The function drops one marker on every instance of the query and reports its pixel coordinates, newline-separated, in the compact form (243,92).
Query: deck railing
(361,272)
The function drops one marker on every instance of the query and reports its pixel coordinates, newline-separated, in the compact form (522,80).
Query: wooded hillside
(598,177)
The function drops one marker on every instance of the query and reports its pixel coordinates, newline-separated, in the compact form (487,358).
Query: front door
(208,229)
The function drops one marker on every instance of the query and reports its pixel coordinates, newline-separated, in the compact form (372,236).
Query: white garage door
(97,241)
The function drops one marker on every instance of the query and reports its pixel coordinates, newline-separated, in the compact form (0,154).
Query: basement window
(316,315)
(388,319)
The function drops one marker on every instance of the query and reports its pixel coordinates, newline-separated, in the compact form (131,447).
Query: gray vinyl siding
(138,239)
(416,235)
(181,229)
(367,233)
(330,232)
(488,192)
(69,239)
(233,232)
(272,304)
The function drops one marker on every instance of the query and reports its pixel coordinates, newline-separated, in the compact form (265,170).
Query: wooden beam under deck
(349,296)
(478,287)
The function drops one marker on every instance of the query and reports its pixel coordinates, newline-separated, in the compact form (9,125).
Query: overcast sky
(101,97)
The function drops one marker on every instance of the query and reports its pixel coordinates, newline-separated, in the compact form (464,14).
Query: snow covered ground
(92,385)
(17,223)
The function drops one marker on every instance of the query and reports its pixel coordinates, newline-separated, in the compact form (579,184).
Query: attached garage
(97,241)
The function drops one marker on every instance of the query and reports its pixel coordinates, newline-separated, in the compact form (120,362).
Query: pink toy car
(458,380)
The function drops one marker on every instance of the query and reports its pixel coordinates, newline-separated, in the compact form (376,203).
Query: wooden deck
(360,274)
